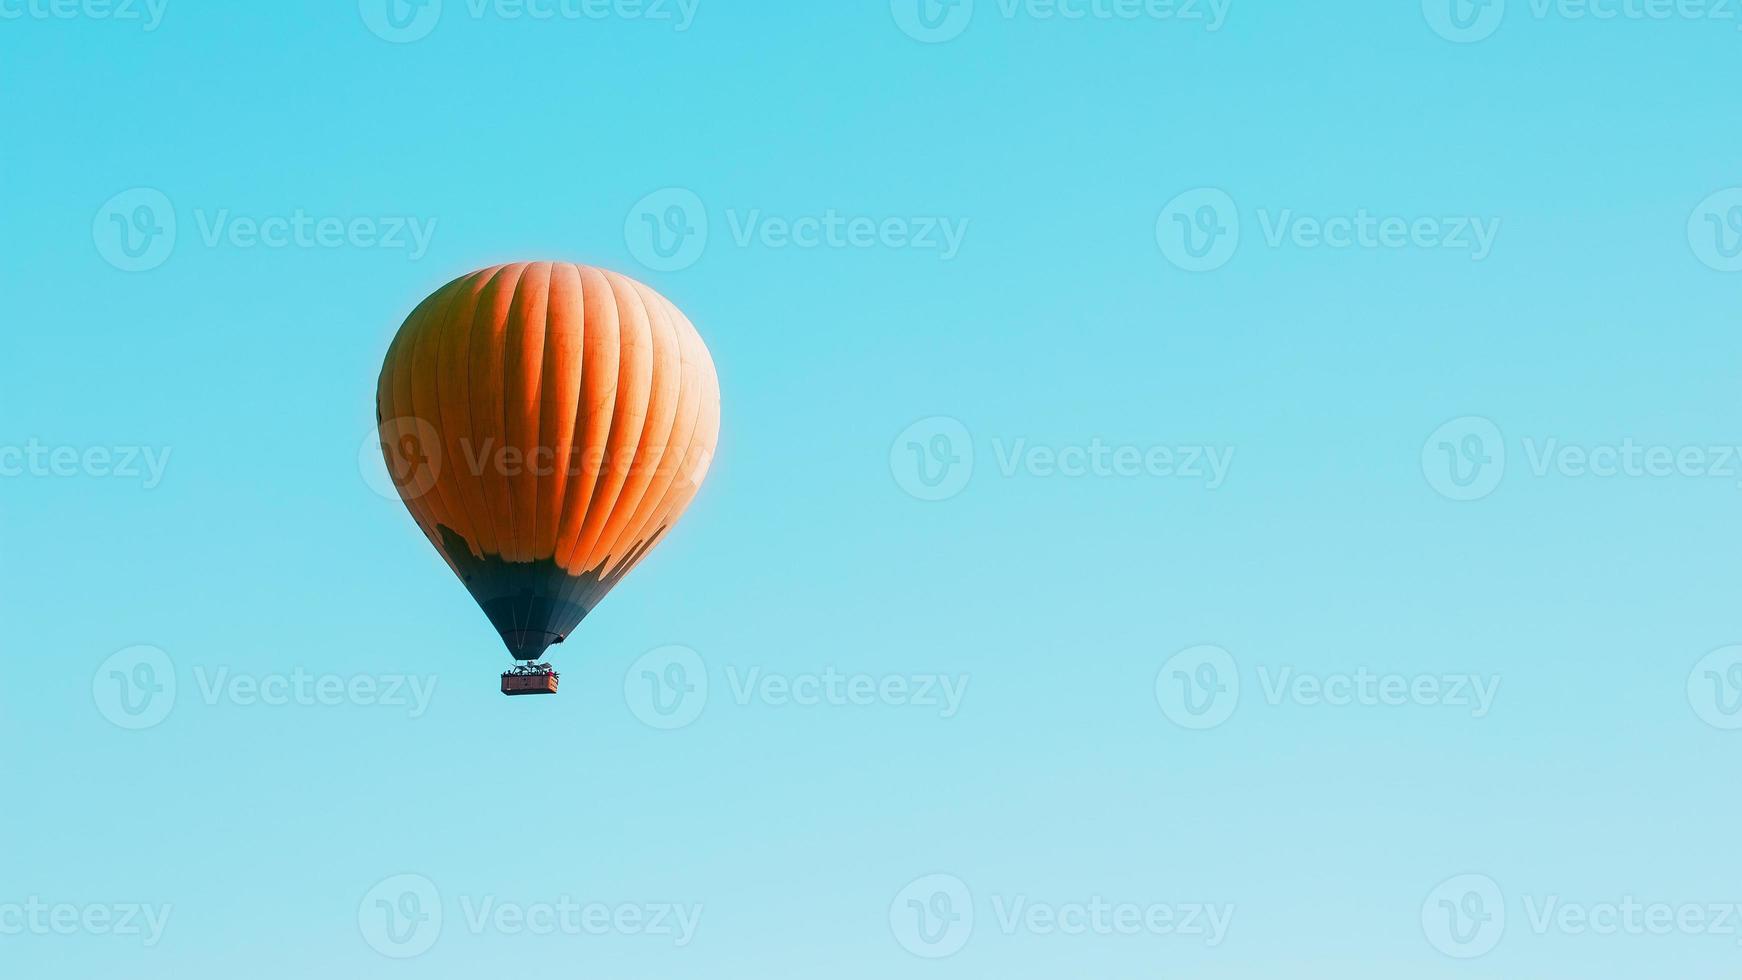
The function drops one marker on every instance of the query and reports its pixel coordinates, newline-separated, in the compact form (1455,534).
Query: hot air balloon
(546,424)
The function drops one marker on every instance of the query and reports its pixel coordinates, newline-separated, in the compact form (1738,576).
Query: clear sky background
(1089,761)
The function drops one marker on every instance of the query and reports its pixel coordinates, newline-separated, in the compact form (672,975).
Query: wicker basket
(520,685)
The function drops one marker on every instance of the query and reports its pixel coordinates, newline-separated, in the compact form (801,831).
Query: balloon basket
(523,681)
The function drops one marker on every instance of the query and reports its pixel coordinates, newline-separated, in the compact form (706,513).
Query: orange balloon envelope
(546,423)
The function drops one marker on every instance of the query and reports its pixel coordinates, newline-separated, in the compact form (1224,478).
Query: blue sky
(1212,490)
